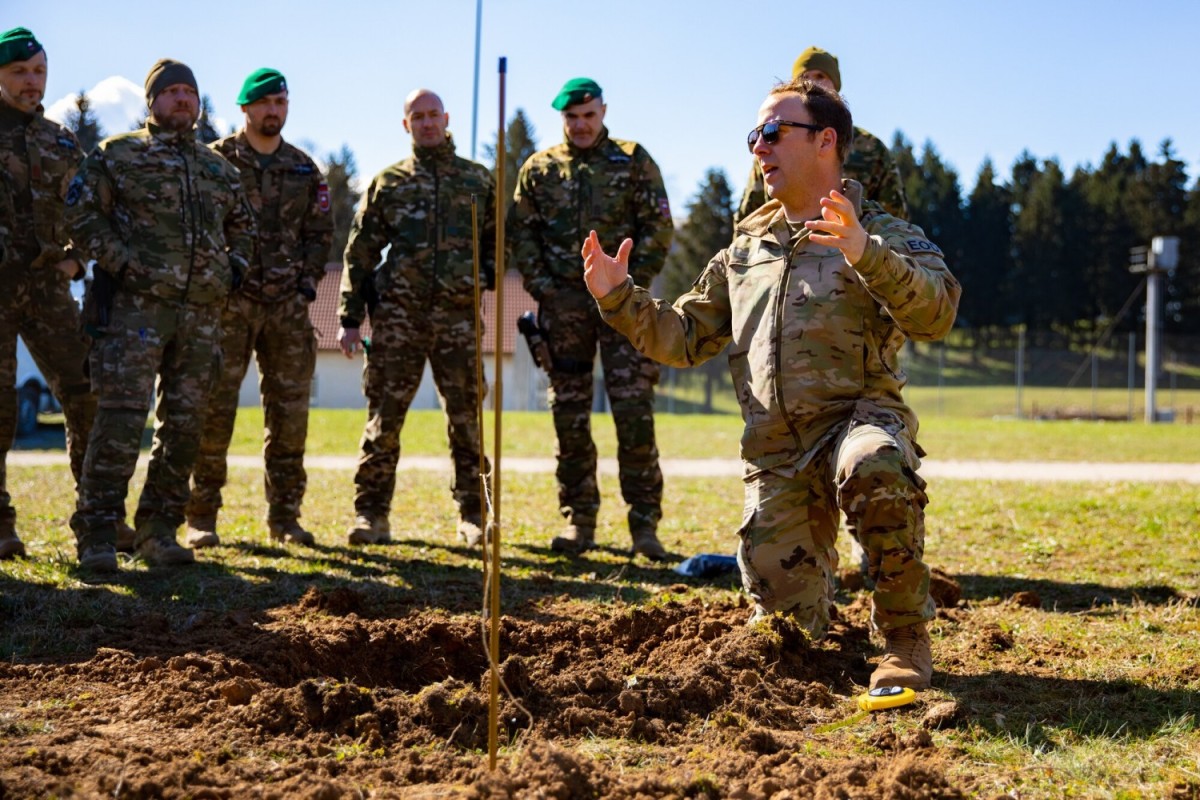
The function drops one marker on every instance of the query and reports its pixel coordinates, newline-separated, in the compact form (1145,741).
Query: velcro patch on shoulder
(67,142)
(324,202)
(664,207)
(923,246)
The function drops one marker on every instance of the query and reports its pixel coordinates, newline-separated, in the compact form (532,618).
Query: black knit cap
(168,72)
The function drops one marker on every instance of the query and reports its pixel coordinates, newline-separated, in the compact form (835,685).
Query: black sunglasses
(770,131)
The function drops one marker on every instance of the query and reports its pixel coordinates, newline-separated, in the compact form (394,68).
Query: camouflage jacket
(420,209)
(291,202)
(813,341)
(39,159)
(163,214)
(613,188)
(869,162)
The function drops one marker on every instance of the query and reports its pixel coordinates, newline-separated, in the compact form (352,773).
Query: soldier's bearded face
(582,122)
(267,115)
(426,120)
(23,83)
(176,108)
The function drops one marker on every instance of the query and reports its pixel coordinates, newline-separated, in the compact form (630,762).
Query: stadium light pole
(1161,257)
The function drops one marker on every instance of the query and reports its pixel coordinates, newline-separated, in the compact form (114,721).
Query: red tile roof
(324,316)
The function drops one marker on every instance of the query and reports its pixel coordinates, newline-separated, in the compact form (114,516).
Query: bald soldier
(39,159)
(267,315)
(813,298)
(868,160)
(421,302)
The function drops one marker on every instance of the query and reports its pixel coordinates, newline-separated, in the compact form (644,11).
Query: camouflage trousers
(37,306)
(281,338)
(575,330)
(790,523)
(401,343)
(146,339)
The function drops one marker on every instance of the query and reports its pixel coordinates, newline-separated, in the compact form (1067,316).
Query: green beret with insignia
(576,91)
(261,83)
(18,44)
(823,60)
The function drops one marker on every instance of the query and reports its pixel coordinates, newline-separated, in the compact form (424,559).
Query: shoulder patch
(67,142)
(664,207)
(619,158)
(923,246)
(323,200)
(74,189)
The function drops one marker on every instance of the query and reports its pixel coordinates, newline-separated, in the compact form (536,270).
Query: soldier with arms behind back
(814,298)
(423,298)
(169,226)
(267,316)
(39,160)
(592,181)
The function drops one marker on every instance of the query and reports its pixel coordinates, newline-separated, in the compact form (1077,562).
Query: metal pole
(1132,378)
(475,94)
(1020,367)
(498,405)
(1153,289)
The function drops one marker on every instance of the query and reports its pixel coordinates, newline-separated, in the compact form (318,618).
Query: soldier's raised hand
(601,272)
(839,221)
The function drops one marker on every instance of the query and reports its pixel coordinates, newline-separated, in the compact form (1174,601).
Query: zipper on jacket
(780,306)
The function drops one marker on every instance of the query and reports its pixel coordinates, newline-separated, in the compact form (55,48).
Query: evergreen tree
(1047,290)
(341,173)
(83,123)
(985,270)
(520,142)
(707,229)
(206,130)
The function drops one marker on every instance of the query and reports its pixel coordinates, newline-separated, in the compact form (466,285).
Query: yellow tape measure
(886,697)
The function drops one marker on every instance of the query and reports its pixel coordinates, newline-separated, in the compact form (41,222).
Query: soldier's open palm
(601,272)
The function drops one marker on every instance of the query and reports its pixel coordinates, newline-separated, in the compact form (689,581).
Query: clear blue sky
(979,79)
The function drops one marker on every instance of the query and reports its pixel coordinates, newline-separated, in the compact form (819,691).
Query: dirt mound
(313,700)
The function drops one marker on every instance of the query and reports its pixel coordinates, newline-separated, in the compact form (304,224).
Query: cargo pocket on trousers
(116,367)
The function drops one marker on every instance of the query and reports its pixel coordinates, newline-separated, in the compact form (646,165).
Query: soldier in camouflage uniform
(869,161)
(591,181)
(169,226)
(814,298)
(39,160)
(268,315)
(421,301)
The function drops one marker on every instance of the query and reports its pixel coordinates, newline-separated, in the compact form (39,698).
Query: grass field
(1068,668)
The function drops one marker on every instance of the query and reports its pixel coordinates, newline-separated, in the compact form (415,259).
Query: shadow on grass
(1035,711)
(1065,596)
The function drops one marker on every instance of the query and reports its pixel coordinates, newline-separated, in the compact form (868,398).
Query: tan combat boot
(289,531)
(367,530)
(575,539)
(11,546)
(907,660)
(99,558)
(202,531)
(126,537)
(646,543)
(470,529)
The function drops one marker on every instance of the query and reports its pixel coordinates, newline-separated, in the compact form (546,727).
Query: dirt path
(1031,471)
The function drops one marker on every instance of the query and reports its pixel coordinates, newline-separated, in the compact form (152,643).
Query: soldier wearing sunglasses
(813,298)
(868,160)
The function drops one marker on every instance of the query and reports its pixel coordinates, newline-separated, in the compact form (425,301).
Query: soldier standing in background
(869,161)
(613,186)
(170,227)
(422,307)
(39,159)
(814,298)
(267,316)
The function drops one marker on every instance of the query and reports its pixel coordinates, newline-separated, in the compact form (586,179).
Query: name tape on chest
(302,169)
(619,158)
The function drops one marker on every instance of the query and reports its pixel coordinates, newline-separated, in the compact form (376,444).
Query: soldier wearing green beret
(423,310)
(592,181)
(39,159)
(267,316)
(169,225)
(869,161)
